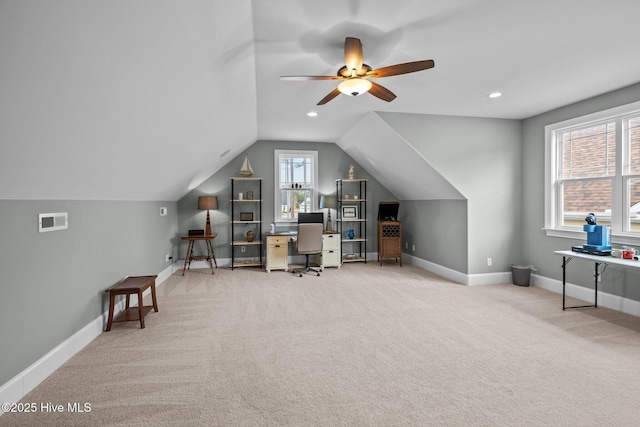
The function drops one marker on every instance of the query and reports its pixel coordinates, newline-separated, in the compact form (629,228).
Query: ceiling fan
(355,75)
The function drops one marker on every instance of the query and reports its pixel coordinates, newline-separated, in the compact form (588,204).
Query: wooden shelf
(354,240)
(237,221)
(245,242)
(354,259)
(237,264)
(132,314)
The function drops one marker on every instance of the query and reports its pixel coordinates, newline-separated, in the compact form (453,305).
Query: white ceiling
(143,100)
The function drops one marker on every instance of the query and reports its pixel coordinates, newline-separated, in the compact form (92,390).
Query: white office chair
(309,242)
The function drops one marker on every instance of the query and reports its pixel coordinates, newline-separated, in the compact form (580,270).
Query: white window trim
(277,199)
(551,227)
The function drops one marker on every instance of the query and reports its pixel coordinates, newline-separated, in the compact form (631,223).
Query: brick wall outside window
(591,153)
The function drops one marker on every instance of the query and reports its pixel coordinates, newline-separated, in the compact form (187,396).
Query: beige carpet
(361,346)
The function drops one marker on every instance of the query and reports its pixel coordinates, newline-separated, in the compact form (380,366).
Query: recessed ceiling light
(312,114)
(495,95)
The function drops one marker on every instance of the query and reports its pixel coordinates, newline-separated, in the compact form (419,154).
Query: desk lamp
(207,203)
(328,202)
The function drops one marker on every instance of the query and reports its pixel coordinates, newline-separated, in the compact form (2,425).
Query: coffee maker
(598,238)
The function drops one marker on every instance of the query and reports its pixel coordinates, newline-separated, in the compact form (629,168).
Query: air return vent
(53,221)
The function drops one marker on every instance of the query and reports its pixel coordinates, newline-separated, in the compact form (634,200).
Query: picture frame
(349,212)
(246,216)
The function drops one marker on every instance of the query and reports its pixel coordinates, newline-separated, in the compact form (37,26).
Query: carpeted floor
(361,346)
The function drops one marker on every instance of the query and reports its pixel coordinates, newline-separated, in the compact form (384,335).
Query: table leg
(213,253)
(140,308)
(564,280)
(565,261)
(112,298)
(595,304)
(210,257)
(153,296)
(187,258)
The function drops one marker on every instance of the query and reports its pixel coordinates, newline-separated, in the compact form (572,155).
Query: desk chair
(309,243)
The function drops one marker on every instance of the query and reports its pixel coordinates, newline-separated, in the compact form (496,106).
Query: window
(295,184)
(593,165)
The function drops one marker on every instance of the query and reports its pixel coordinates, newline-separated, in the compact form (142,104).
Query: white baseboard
(458,277)
(613,302)
(606,300)
(18,387)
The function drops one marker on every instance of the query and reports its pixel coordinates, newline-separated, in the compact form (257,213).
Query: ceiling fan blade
(329,97)
(381,92)
(353,54)
(305,78)
(407,67)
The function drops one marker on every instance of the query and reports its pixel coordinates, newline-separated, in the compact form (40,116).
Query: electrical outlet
(489,262)
(413,247)
(167,258)
(406,245)
(243,249)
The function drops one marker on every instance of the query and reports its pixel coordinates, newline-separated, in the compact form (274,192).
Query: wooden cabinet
(277,253)
(330,255)
(390,240)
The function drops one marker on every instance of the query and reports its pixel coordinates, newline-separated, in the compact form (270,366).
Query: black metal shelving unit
(240,207)
(352,193)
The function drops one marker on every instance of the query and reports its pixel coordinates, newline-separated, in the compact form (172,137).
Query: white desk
(277,252)
(598,260)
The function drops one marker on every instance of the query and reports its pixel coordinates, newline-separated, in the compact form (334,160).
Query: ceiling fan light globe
(354,87)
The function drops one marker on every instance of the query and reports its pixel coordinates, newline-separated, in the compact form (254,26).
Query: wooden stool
(132,285)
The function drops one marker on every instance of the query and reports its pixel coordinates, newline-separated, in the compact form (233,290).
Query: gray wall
(481,158)
(536,246)
(333,163)
(438,228)
(53,283)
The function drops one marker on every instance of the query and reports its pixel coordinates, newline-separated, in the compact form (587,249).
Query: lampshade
(207,202)
(328,202)
(354,86)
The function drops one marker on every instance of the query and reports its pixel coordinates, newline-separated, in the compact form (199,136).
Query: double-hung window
(593,166)
(296,177)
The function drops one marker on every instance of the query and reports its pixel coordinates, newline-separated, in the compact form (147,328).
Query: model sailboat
(246,169)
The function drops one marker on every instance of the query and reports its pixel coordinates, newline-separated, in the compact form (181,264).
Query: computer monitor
(310,217)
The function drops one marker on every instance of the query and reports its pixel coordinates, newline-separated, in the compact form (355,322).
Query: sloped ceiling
(115,100)
(143,100)
(394,163)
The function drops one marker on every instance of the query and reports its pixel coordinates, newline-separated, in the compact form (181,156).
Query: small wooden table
(132,285)
(210,255)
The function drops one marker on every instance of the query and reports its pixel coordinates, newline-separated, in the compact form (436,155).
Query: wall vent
(53,221)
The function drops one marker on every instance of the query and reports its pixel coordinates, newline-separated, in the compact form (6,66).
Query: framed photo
(349,212)
(246,216)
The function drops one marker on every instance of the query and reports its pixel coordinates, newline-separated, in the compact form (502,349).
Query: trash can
(521,274)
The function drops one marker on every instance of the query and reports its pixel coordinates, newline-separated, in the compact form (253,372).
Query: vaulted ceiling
(122,100)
